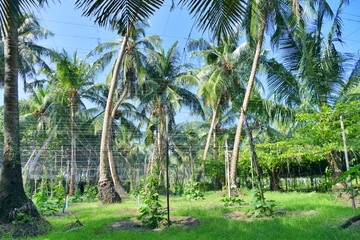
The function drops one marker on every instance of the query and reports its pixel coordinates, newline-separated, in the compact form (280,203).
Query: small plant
(77,196)
(231,201)
(325,185)
(192,191)
(261,207)
(151,210)
(178,190)
(90,193)
(352,174)
(49,205)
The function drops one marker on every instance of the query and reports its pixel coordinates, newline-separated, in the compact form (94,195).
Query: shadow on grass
(214,226)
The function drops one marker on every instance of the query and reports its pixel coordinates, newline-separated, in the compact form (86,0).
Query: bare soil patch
(133,212)
(185,222)
(238,215)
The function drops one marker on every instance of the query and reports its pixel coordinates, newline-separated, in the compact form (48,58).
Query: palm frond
(220,17)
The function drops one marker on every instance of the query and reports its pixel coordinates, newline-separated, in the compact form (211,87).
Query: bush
(151,209)
(49,205)
(265,208)
(192,191)
(231,201)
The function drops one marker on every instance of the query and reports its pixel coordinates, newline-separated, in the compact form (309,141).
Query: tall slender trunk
(12,195)
(235,154)
(208,139)
(73,151)
(255,163)
(107,193)
(117,183)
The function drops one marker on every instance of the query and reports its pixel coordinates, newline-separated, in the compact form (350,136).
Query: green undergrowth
(329,213)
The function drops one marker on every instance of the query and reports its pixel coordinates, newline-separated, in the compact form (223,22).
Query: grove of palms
(111,124)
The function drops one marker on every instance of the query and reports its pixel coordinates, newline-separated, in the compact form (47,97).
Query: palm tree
(163,92)
(122,14)
(72,81)
(312,58)
(30,54)
(218,16)
(185,146)
(37,114)
(12,195)
(131,67)
(221,78)
(259,14)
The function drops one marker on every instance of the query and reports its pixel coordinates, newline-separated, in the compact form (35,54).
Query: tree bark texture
(12,195)
(255,162)
(235,154)
(117,183)
(104,183)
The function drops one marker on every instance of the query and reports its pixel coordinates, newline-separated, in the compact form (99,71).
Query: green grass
(323,225)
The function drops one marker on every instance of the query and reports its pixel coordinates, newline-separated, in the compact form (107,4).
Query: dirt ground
(134,224)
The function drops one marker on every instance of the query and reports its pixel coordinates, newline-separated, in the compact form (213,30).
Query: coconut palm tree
(131,68)
(218,16)
(36,112)
(163,92)
(72,81)
(30,54)
(221,78)
(122,14)
(259,16)
(314,69)
(12,195)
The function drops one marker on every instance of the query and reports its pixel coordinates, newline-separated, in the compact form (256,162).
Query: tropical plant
(162,93)
(220,79)
(312,56)
(30,54)
(12,195)
(151,209)
(123,15)
(131,69)
(72,81)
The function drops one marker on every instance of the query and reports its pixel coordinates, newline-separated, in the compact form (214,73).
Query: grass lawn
(330,213)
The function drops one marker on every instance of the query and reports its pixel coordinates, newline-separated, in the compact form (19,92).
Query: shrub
(192,191)
(151,209)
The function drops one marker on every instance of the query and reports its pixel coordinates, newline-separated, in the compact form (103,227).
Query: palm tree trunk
(208,139)
(73,152)
(255,162)
(117,184)
(235,154)
(12,195)
(107,193)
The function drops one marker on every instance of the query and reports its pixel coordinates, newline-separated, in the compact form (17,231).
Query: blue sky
(74,32)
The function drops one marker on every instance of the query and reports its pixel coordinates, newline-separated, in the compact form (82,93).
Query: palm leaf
(122,12)
(220,17)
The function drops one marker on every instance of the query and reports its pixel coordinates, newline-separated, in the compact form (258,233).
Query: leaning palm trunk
(14,204)
(117,184)
(235,154)
(208,139)
(107,193)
